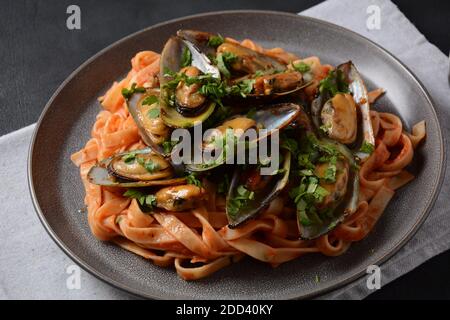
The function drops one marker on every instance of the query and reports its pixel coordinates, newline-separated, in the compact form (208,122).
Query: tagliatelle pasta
(199,242)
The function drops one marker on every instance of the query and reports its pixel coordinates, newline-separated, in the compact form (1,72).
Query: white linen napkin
(33,267)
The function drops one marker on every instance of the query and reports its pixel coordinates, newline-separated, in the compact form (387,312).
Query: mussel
(180,197)
(335,182)
(182,105)
(339,118)
(145,110)
(345,116)
(250,192)
(139,168)
(204,41)
(272,118)
(247,60)
(272,86)
(266,77)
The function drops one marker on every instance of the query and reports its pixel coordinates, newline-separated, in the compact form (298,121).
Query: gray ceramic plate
(67,119)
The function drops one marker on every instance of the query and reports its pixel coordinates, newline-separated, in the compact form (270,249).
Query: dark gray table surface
(37,52)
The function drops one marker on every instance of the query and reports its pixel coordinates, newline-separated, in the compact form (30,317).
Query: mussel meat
(139,168)
(339,118)
(179,198)
(249,61)
(145,110)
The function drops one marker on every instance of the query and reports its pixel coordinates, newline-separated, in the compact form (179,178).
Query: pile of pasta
(199,242)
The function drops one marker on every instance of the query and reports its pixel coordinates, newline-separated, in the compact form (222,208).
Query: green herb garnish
(192,179)
(367,147)
(215,41)
(168,146)
(330,173)
(129,157)
(146,201)
(150,100)
(211,87)
(334,83)
(186,57)
(301,67)
(290,144)
(153,113)
(224,61)
(127,93)
(240,200)
(149,165)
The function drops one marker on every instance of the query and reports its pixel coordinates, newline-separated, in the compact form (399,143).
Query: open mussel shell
(330,112)
(272,118)
(361,98)
(116,171)
(261,197)
(183,114)
(344,206)
(249,61)
(146,123)
(277,94)
(200,39)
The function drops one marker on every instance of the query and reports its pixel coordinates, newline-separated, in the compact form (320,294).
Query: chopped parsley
(309,194)
(242,88)
(258,73)
(301,67)
(149,165)
(325,127)
(192,179)
(330,173)
(129,157)
(147,202)
(290,144)
(211,87)
(215,41)
(153,113)
(150,100)
(367,147)
(127,93)
(186,57)
(168,146)
(334,83)
(224,61)
(240,200)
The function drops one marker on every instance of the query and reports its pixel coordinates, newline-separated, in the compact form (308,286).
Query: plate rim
(333,286)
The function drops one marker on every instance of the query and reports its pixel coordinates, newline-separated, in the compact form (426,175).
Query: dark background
(37,52)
